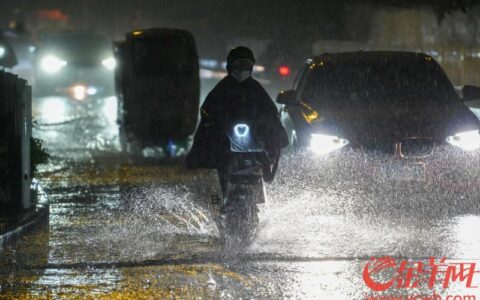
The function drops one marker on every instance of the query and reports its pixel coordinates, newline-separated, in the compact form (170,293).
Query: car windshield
(378,81)
(80,48)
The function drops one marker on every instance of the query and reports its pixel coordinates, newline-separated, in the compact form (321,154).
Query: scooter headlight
(241,130)
(52,64)
(2,51)
(242,139)
(469,140)
(324,144)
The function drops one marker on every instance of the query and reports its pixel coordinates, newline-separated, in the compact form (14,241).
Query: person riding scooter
(236,94)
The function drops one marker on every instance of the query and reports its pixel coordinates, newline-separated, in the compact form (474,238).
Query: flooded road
(144,229)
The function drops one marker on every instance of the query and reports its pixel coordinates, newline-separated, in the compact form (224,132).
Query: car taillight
(284,70)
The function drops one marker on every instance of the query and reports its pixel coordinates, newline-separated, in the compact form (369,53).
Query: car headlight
(469,140)
(52,64)
(2,51)
(109,63)
(324,144)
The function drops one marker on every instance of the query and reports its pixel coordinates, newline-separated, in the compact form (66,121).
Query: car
(75,64)
(397,107)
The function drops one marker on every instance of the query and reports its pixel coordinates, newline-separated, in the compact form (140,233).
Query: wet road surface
(144,229)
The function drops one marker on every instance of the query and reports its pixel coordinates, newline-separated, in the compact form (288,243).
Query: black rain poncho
(231,98)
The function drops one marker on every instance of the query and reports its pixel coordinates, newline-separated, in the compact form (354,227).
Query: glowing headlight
(79,92)
(323,144)
(109,63)
(2,51)
(241,130)
(52,64)
(468,141)
(92,91)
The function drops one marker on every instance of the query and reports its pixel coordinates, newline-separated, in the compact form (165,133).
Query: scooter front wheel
(240,216)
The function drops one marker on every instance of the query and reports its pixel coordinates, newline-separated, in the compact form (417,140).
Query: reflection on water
(73,129)
(465,238)
(23,263)
(115,227)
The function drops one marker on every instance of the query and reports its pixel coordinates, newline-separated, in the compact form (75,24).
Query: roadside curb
(31,222)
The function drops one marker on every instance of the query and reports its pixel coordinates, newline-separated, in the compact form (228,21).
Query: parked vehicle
(157,83)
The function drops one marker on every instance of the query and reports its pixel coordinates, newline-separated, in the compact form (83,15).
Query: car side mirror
(287,97)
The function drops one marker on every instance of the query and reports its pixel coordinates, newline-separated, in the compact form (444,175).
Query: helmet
(238,53)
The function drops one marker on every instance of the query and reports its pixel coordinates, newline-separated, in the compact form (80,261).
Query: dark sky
(215,22)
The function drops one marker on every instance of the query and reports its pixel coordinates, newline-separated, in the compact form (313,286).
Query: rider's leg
(223,176)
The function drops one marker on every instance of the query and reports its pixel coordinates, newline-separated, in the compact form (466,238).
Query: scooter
(248,168)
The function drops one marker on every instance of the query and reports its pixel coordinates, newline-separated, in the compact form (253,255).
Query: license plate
(409,172)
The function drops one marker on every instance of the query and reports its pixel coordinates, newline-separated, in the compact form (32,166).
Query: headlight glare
(79,92)
(53,110)
(109,63)
(469,140)
(52,64)
(2,51)
(324,144)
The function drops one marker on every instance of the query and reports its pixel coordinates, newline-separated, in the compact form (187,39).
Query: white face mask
(241,76)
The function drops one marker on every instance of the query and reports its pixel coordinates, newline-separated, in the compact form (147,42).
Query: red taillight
(284,71)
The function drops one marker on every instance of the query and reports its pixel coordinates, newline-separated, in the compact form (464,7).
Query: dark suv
(399,105)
